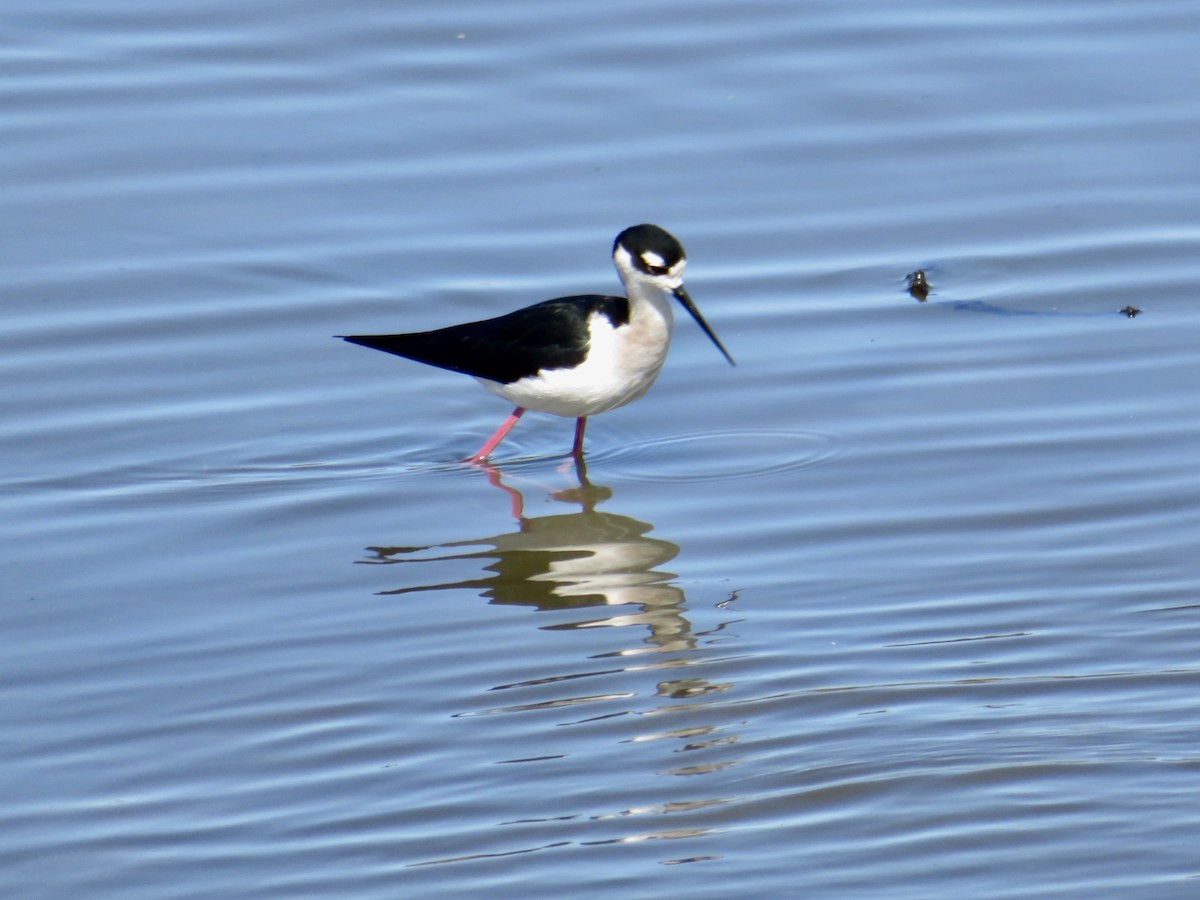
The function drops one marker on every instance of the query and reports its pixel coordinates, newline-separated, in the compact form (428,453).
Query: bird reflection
(569,560)
(608,570)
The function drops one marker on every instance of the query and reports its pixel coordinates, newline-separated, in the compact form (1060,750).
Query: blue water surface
(904,606)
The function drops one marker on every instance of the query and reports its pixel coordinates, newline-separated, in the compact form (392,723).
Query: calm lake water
(907,605)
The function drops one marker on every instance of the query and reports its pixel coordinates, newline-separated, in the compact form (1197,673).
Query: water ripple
(714,456)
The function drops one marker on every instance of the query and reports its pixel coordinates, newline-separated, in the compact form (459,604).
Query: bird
(575,356)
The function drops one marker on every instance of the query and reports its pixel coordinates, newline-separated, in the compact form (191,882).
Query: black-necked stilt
(573,356)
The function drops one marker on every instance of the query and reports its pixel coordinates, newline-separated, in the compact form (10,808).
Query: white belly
(621,365)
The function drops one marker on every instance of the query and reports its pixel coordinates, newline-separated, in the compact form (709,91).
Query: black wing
(548,335)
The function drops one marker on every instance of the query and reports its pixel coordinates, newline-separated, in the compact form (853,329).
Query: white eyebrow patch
(650,258)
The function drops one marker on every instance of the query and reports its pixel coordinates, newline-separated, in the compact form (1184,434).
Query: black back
(548,335)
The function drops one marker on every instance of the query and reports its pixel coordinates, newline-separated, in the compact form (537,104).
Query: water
(903,606)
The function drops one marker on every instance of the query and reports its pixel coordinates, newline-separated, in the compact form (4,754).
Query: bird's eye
(654,263)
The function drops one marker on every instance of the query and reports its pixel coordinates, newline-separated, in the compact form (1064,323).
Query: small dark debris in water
(918,284)
(1131,311)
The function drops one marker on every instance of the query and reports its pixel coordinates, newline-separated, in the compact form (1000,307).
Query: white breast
(621,365)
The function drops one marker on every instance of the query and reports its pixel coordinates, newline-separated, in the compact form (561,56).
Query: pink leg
(486,450)
(580,425)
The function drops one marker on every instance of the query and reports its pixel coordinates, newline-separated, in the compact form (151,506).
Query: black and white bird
(572,356)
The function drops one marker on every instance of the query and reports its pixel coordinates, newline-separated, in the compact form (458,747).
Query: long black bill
(682,296)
